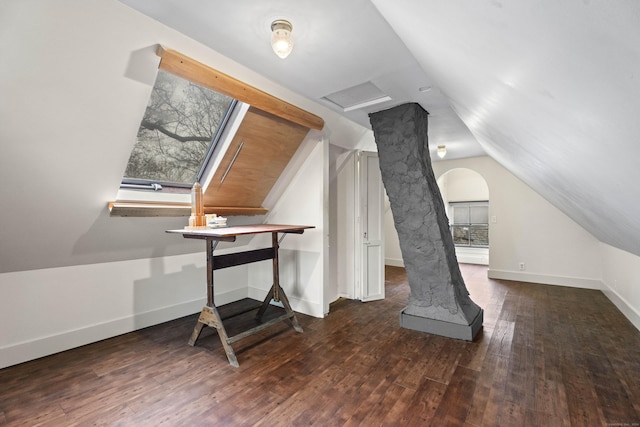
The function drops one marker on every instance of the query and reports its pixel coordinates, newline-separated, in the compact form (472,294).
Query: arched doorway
(465,194)
(456,185)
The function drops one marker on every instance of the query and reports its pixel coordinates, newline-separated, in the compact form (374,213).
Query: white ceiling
(338,44)
(550,89)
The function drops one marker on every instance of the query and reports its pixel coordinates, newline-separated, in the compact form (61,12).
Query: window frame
(154,185)
(134,202)
(453,223)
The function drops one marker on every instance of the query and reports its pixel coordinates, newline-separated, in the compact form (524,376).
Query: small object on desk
(214,225)
(197,219)
(215,221)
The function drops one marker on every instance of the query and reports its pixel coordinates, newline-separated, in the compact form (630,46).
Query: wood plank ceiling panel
(268,143)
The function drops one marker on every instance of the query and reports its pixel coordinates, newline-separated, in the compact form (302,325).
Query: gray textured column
(439,302)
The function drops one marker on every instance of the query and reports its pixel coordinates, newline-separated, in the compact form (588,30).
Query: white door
(370,238)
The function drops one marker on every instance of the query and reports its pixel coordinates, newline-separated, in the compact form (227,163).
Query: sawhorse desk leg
(290,314)
(209,315)
(276,293)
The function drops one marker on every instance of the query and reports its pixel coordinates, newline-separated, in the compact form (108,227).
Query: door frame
(362,245)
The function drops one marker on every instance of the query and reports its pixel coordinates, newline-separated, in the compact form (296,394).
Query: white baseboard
(467,255)
(394,262)
(257,293)
(472,259)
(462,258)
(520,276)
(625,308)
(629,312)
(29,350)
(298,305)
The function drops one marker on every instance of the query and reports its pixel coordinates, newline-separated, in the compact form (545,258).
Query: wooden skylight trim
(192,70)
(262,104)
(148,209)
(168,209)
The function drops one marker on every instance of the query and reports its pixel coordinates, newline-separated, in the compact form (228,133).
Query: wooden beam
(165,209)
(148,209)
(241,258)
(232,211)
(192,70)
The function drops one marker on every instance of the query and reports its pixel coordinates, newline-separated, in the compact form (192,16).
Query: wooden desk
(209,315)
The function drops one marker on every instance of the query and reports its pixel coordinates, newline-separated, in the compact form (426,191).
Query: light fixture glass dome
(281,38)
(442,151)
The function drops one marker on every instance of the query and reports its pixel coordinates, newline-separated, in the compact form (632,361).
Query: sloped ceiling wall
(550,89)
(75,78)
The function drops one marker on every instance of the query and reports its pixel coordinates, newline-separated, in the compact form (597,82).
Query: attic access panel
(359,96)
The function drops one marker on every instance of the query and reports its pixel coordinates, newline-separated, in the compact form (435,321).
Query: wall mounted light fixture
(442,151)
(281,38)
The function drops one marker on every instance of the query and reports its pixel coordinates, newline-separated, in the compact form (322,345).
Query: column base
(439,327)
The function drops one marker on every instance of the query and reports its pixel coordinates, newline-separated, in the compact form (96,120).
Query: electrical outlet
(522,267)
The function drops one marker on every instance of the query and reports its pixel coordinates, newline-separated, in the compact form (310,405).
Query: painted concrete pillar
(439,302)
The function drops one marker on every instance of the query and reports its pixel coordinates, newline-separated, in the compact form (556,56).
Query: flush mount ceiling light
(442,151)
(281,38)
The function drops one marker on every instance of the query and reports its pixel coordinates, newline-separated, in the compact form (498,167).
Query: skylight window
(177,135)
(205,126)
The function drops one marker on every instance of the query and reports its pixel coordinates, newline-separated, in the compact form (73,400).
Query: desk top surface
(231,232)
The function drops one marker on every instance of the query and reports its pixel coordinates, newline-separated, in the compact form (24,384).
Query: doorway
(465,194)
(357,244)
(369,283)
(456,185)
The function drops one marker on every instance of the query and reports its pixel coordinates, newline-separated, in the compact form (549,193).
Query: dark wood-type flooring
(547,356)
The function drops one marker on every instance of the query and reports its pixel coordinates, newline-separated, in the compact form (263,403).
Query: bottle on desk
(197,218)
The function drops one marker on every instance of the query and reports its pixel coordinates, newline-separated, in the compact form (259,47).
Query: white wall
(463,185)
(345,211)
(54,309)
(553,247)
(621,281)
(392,252)
(303,258)
(455,185)
(75,79)
(529,229)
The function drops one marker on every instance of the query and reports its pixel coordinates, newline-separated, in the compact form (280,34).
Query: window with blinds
(470,223)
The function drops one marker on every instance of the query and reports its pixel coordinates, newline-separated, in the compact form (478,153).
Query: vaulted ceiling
(549,89)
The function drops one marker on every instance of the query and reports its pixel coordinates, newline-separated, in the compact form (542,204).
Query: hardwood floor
(547,356)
